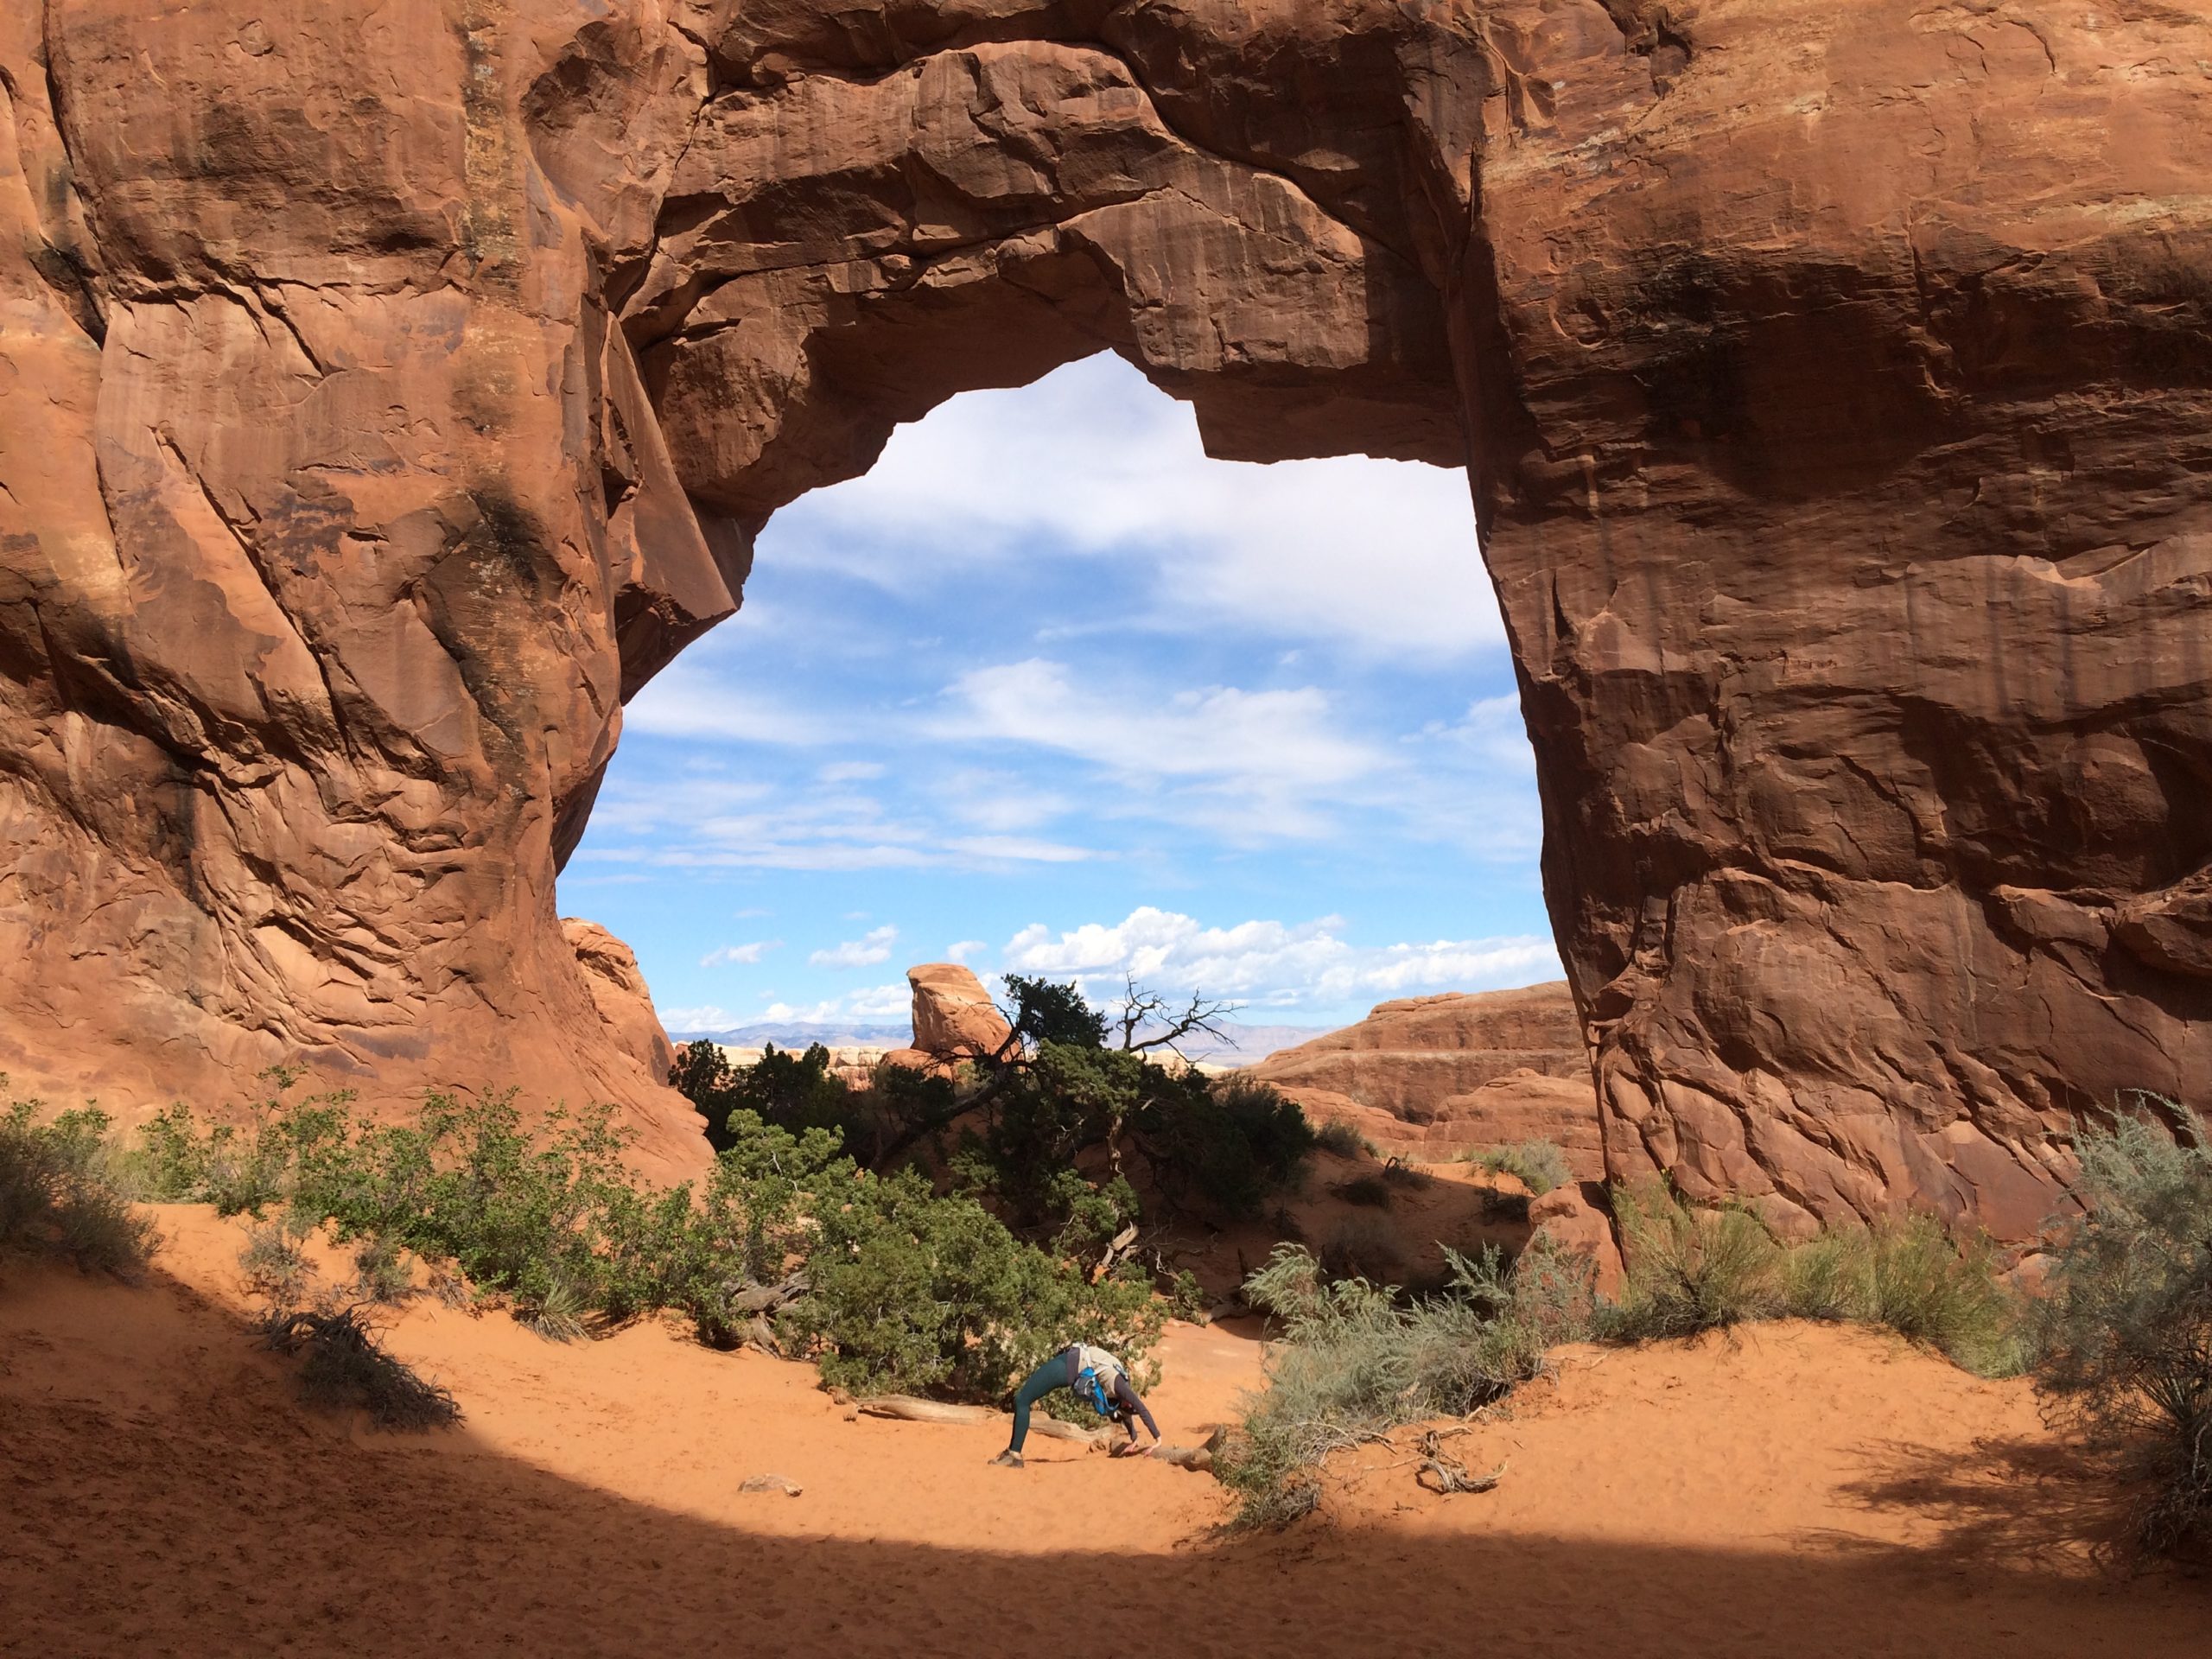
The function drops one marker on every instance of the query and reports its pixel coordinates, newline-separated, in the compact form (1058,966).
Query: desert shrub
(240,1170)
(61,1192)
(380,1273)
(1221,1145)
(1369,1190)
(1909,1275)
(1824,1278)
(1357,1360)
(2123,1336)
(1945,1294)
(886,1285)
(1540,1166)
(1340,1138)
(276,1264)
(344,1367)
(912,1292)
(1690,1270)
(1361,1247)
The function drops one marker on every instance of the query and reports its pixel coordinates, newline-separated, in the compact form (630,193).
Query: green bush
(1356,1360)
(1690,1270)
(62,1193)
(913,1293)
(276,1264)
(1341,1138)
(1943,1293)
(887,1286)
(239,1171)
(791,1091)
(1540,1166)
(1222,1145)
(2123,1336)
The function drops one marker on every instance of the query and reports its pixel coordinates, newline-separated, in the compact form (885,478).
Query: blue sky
(1050,690)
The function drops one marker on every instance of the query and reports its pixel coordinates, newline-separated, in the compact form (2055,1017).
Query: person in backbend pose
(1097,1379)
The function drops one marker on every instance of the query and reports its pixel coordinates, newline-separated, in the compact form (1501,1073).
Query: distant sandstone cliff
(1439,1074)
(388,390)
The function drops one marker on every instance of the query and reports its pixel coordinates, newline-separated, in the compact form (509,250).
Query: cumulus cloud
(1377,555)
(1272,964)
(877,1002)
(704,1016)
(870,948)
(730,955)
(963,948)
(1210,731)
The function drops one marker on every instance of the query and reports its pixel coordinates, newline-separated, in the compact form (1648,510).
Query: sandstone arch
(387,391)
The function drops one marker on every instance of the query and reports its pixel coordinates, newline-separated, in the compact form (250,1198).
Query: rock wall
(1437,1075)
(387,391)
(1409,1055)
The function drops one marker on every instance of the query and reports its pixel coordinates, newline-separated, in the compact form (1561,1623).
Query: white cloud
(689,699)
(877,1002)
(1217,731)
(1025,849)
(998,802)
(849,771)
(706,1016)
(1274,963)
(960,950)
(729,955)
(1377,555)
(870,948)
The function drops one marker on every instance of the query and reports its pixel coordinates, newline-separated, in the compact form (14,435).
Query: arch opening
(1049,689)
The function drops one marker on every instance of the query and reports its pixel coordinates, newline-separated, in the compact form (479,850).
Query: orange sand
(1802,1491)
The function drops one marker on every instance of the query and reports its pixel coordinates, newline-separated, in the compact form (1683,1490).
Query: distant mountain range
(1238,1044)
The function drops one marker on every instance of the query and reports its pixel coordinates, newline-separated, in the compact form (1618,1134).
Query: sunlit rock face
(386,391)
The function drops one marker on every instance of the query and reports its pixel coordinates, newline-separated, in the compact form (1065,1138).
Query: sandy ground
(1800,1491)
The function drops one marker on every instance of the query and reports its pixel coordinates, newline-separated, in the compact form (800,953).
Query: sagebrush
(2123,1334)
(62,1192)
(1539,1165)
(1690,1270)
(1357,1359)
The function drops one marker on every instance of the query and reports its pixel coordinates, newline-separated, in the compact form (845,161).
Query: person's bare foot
(1006,1460)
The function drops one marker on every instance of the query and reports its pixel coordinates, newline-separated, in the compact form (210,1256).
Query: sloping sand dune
(1802,1491)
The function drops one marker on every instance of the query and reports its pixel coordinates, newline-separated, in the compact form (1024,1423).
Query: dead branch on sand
(1451,1475)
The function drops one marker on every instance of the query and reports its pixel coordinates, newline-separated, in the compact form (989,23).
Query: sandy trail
(1802,1491)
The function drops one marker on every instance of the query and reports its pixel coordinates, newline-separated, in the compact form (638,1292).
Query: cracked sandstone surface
(388,390)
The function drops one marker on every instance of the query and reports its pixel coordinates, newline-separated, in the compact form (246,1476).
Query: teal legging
(1054,1373)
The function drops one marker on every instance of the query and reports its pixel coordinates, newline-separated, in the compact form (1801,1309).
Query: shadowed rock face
(387,391)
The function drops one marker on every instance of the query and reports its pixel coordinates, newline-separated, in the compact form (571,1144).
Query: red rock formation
(1409,1055)
(1436,1075)
(955,1019)
(954,1016)
(618,991)
(388,390)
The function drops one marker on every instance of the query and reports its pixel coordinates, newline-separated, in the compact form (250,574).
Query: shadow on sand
(229,1524)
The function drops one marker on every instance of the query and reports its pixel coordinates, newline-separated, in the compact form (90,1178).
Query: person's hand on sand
(1130,1449)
